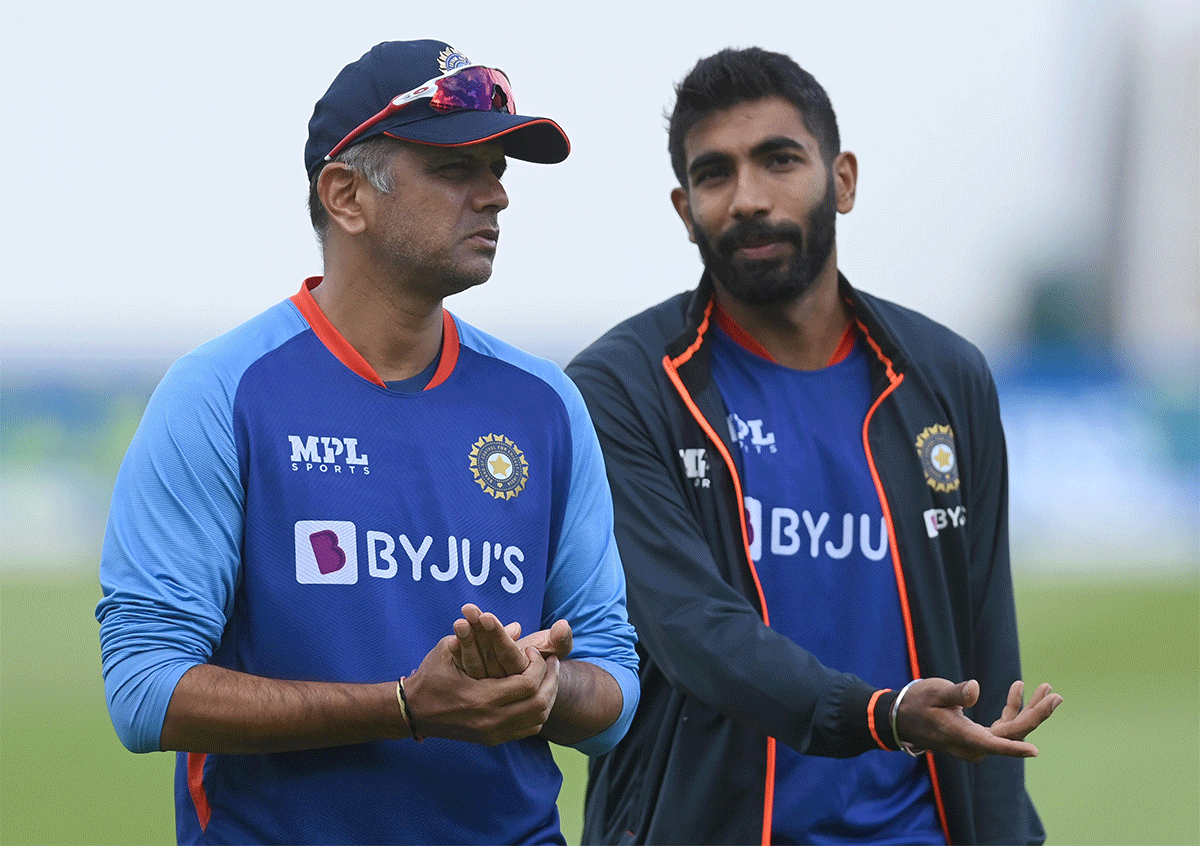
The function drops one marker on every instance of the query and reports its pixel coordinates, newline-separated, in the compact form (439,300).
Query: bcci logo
(935,445)
(450,59)
(499,467)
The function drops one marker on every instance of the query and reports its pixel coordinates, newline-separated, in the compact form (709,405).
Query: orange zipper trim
(894,380)
(671,366)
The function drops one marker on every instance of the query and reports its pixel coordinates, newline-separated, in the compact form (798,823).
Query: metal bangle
(907,747)
(403,700)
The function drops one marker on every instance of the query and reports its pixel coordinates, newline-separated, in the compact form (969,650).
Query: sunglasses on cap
(471,87)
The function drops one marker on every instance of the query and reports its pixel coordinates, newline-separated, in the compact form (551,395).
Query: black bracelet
(404,710)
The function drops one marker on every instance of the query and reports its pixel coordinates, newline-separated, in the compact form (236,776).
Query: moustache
(755,233)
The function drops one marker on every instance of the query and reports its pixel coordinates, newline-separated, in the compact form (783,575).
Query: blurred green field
(1120,760)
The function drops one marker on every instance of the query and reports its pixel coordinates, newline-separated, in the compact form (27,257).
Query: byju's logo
(326,552)
(860,535)
(327,454)
(749,433)
(695,467)
(937,519)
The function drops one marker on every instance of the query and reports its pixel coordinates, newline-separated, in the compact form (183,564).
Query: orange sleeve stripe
(769,794)
(871,717)
(195,779)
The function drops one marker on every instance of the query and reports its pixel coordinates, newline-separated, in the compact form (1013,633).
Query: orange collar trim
(352,358)
(746,340)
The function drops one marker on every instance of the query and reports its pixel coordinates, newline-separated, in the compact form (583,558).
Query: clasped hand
(487,649)
(484,683)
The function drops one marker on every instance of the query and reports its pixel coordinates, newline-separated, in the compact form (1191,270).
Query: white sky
(155,189)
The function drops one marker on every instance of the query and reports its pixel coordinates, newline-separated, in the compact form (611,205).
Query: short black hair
(370,158)
(731,76)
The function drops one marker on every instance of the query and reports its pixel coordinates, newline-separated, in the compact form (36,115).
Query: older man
(314,499)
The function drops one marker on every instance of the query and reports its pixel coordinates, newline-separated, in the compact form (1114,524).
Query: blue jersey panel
(820,544)
(370,511)
(586,585)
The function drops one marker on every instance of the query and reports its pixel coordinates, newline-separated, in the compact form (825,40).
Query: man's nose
(491,193)
(751,198)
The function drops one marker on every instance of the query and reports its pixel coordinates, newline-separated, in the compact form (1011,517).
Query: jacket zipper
(671,366)
(894,380)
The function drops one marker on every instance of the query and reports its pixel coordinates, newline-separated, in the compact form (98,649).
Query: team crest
(450,59)
(938,458)
(499,467)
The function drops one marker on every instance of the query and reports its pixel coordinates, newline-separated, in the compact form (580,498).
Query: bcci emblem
(450,59)
(499,467)
(936,448)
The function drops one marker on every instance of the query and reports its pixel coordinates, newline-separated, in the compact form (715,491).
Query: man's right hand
(931,717)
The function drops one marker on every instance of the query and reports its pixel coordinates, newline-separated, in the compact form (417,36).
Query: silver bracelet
(907,747)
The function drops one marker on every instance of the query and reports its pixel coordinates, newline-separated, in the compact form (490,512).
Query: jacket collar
(698,323)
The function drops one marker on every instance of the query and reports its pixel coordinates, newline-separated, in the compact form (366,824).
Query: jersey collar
(744,339)
(349,356)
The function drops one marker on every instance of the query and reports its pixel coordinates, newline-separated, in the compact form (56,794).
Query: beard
(778,280)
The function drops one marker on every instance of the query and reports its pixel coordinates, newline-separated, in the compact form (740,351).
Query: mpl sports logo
(749,435)
(327,454)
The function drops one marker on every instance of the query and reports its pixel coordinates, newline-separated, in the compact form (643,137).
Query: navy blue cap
(365,87)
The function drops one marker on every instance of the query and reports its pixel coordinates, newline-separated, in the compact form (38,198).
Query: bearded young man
(810,494)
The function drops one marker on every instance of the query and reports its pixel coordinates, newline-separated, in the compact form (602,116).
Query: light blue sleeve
(172,548)
(586,584)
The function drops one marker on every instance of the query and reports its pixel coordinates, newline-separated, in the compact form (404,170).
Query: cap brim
(532,139)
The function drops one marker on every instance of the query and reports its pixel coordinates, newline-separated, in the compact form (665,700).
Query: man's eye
(783,159)
(709,175)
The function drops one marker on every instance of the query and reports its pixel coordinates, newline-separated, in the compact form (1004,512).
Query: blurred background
(1029,175)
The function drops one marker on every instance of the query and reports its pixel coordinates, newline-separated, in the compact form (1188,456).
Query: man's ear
(683,208)
(845,175)
(340,190)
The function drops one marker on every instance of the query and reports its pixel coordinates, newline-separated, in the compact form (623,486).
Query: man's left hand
(485,648)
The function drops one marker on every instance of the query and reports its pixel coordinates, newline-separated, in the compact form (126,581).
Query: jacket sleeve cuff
(879,724)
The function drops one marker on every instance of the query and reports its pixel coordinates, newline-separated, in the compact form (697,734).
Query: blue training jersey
(282,513)
(820,545)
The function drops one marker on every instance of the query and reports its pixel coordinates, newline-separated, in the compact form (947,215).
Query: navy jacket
(719,686)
